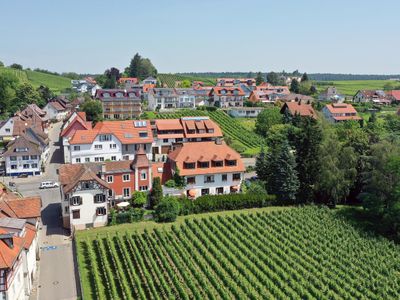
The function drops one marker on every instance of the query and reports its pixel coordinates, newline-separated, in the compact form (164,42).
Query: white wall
(7,129)
(20,165)
(16,286)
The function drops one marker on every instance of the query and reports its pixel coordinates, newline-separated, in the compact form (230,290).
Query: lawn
(55,83)
(350,87)
(248,123)
(296,253)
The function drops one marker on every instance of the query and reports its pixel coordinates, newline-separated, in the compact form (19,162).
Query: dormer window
(189,165)
(119,95)
(217,163)
(231,163)
(143,134)
(106,95)
(204,164)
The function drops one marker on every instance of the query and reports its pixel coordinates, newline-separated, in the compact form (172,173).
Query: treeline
(312,76)
(311,161)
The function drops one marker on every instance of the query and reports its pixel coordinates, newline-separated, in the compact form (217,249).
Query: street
(57,274)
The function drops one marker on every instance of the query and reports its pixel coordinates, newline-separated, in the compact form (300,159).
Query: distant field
(54,82)
(298,253)
(170,79)
(350,88)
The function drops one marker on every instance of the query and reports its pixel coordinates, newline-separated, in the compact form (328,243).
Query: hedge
(210,203)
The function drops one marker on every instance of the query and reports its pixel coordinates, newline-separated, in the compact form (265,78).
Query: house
(331,94)
(30,116)
(120,104)
(149,80)
(292,97)
(225,97)
(128,82)
(229,82)
(372,96)
(24,156)
(163,98)
(56,109)
(186,97)
(394,95)
(298,108)
(339,112)
(90,190)
(86,85)
(76,121)
(19,224)
(6,129)
(168,132)
(84,196)
(201,95)
(208,168)
(244,112)
(109,140)
(268,93)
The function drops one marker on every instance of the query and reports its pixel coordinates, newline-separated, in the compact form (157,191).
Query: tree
(26,94)
(8,86)
(304,78)
(141,68)
(45,93)
(167,210)
(178,179)
(259,78)
(93,110)
(139,199)
(1,64)
(156,193)
(280,173)
(294,86)
(337,170)
(134,66)
(186,83)
(112,76)
(16,66)
(266,119)
(273,78)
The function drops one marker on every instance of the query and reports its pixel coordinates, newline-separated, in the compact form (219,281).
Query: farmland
(54,82)
(170,79)
(298,253)
(350,87)
(240,138)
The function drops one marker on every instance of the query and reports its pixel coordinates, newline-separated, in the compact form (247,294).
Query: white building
(208,168)
(6,129)
(84,196)
(186,98)
(162,99)
(56,110)
(244,112)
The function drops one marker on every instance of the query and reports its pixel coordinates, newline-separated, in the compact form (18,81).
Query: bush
(139,199)
(167,210)
(170,183)
(129,216)
(212,203)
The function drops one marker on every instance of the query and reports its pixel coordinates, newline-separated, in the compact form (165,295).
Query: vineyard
(242,139)
(170,79)
(299,253)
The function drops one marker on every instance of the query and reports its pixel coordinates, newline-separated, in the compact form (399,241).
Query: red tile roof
(229,91)
(341,108)
(8,255)
(299,108)
(30,234)
(205,151)
(165,173)
(395,94)
(28,207)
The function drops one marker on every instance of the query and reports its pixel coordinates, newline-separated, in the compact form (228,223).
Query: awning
(123,204)
(192,193)
(235,188)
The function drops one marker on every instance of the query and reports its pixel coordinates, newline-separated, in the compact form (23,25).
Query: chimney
(103,168)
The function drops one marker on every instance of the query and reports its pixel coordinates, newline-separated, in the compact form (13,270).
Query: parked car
(48,184)
(22,176)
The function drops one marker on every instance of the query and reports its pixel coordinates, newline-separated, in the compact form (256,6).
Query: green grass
(248,123)
(170,79)
(292,253)
(55,83)
(350,87)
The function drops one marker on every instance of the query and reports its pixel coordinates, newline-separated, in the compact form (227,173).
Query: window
(99,198)
(189,165)
(101,211)
(208,178)
(126,177)
(105,137)
(25,157)
(126,157)
(218,163)
(13,167)
(13,158)
(110,193)
(26,166)
(127,192)
(76,214)
(143,188)
(126,147)
(178,140)
(34,156)
(87,159)
(98,147)
(76,200)
(231,163)
(143,134)
(224,177)
(236,176)
(78,160)
(143,175)
(97,159)
(110,179)
(205,192)
(34,166)
(191,180)
(203,164)
(113,146)
(219,190)
(113,158)
(77,148)
(165,140)
(8,130)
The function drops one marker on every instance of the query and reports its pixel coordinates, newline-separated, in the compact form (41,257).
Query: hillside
(56,83)
(350,87)
(170,79)
(298,253)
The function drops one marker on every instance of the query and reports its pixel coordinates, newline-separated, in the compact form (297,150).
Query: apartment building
(225,97)
(110,141)
(235,81)
(163,98)
(120,104)
(208,168)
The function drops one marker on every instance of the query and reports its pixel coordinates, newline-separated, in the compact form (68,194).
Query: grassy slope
(350,87)
(170,79)
(54,82)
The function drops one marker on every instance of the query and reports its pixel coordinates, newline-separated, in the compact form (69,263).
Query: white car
(48,185)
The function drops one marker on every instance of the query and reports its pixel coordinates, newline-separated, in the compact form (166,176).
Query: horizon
(180,37)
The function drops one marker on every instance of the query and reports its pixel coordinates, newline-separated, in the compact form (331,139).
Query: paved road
(57,275)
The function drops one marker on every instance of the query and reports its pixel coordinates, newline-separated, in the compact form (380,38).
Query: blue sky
(88,36)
